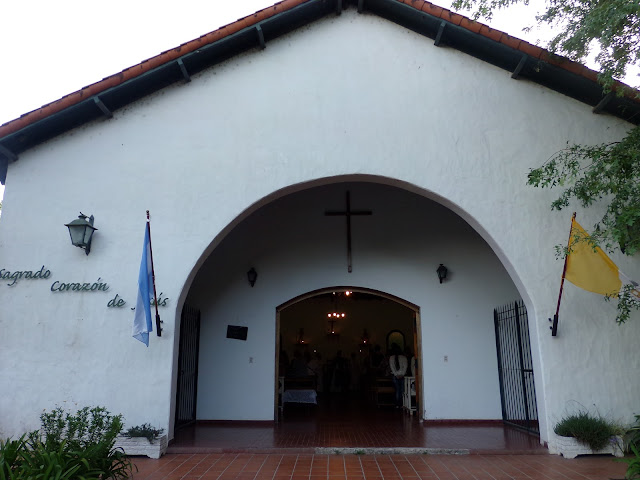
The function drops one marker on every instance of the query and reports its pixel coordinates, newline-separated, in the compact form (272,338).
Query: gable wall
(345,96)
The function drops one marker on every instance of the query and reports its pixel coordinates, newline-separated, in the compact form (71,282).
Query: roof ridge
(167,56)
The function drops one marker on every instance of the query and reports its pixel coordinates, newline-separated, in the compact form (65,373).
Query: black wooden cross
(347,213)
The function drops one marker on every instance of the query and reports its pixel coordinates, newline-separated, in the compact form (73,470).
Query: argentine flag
(142,325)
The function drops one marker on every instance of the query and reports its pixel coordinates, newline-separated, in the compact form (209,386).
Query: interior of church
(336,347)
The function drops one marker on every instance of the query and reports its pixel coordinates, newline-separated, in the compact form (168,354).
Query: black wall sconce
(252,276)
(81,230)
(442,273)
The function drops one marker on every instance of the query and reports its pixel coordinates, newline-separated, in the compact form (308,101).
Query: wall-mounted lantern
(252,276)
(81,230)
(442,273)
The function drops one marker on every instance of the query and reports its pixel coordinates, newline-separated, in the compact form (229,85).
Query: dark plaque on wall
(239,333)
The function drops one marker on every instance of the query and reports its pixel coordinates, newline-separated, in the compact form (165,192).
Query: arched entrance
(333,349)
(296,248)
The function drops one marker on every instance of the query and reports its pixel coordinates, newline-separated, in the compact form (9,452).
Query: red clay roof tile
(510,41)
(531,50)
(451,17)
(211,37)
(432,9)
(546,56)
(491,33)
(570,66)
(470,25)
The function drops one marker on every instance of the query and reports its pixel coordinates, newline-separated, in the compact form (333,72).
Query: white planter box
(569,447)
(141,446)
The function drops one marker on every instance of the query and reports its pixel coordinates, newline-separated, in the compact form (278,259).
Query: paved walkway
(328,437)
(246,466)
(339,425)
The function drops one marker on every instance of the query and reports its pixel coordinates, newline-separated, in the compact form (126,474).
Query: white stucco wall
(347,95)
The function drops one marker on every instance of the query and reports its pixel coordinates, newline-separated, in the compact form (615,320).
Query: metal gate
(187,393)
(515,367)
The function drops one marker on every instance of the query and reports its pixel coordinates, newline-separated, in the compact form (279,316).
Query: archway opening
(339,351)
(294,246)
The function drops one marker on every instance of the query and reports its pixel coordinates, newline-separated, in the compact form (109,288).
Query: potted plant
(143,440)
(583,434)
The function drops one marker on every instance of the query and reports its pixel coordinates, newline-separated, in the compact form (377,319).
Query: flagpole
(153,276)
(554,327)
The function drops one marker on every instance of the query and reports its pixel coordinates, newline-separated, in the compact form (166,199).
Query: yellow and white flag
(591,269)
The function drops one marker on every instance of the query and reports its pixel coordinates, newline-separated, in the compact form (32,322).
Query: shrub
(593,431)
(84,429)
(633,463)
(632,435)
(144,430)
(68,446)
(89,434)
(60,464)
(11,452)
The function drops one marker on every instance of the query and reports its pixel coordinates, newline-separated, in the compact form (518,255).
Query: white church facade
(239,144)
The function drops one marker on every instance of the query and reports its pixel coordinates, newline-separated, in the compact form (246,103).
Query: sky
(50,49)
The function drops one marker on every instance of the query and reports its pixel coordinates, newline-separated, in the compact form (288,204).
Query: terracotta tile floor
(340,423)
(247,466)
(288,450)
(307,437)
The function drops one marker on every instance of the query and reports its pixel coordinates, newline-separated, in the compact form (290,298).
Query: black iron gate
(187,393)
(515,367)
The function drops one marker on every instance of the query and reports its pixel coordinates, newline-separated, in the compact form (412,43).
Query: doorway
(332,356)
